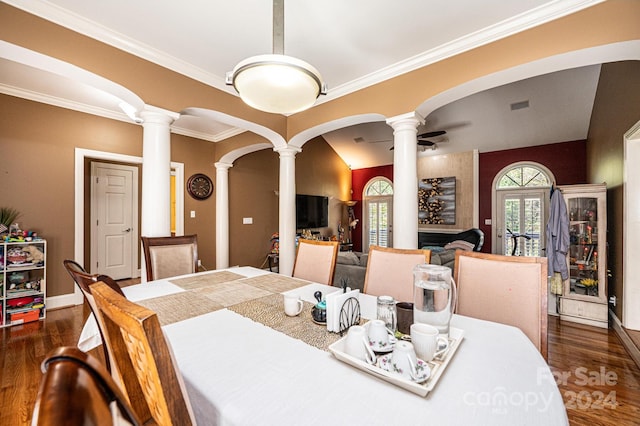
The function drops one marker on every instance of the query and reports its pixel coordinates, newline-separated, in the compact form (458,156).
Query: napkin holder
(343,310)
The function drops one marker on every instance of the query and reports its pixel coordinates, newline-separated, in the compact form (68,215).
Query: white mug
(380,338)
(356,344)
(292,305)
(404,360)
(426,341)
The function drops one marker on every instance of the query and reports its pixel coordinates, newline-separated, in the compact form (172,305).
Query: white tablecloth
(239,372)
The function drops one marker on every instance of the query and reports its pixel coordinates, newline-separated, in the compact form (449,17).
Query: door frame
(81,155)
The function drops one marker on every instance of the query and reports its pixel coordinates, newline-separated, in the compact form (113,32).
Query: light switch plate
(193,213)
(247,220)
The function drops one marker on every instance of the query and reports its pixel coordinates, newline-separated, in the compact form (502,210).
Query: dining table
(244,362)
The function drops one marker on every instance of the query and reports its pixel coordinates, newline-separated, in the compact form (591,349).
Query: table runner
(257,298)
(180,306)
(205,280)
(269,311)
(275,283)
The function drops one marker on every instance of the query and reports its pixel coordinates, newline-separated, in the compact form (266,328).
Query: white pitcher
(434,296)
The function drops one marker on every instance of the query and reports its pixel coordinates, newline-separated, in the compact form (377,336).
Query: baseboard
(63,301)
(628,344)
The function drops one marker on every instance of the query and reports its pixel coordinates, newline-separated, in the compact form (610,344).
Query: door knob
(127,230)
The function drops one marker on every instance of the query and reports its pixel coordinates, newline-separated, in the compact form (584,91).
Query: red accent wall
(566,160)
(359,179)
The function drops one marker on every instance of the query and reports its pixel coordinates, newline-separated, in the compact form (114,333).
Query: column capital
(408,120)
(287,151)
(221,165)
(151,114)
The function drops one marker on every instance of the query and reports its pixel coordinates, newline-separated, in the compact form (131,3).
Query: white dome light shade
(277,83)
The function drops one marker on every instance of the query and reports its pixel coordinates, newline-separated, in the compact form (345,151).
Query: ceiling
(353,44)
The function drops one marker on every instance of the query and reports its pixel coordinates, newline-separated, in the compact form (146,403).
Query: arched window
(378,186)
(523,176)
(377,213)
(521,194)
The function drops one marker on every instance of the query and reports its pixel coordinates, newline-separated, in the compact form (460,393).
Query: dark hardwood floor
(598,380)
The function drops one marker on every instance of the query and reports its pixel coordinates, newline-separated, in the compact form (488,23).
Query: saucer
(384,347)
(422,368)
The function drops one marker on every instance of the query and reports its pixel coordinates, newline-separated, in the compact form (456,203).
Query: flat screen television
(312,211)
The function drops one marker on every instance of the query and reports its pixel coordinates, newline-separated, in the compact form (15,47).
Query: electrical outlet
(613,300)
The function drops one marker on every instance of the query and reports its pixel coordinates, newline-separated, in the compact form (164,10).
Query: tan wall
(38,143)
(616,110)
(198,156)
(461,166)
(253,180)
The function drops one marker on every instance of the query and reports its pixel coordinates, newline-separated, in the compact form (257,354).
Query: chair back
(166,257)
(76,390)
(510,290)
(316,261)
(84,281)
(390,271)
(144,359)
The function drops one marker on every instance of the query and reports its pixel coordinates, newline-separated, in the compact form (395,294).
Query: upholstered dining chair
(510,290)
(84,281)
(170,256)
(77,390)
(144,359)
(316,261)
(390,271)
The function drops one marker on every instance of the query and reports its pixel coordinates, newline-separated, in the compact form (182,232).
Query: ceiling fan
(423,138)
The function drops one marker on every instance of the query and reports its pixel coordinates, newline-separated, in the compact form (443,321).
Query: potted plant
(7,217)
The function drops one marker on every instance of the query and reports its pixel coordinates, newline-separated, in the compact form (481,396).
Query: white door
(522,218)
(378,222)
(114,219)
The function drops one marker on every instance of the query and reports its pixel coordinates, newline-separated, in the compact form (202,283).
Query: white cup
(356,344)
(426,341)
(292,305)
(404,360)
(379,336)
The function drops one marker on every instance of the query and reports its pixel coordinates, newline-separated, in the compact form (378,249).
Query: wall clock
(200,186)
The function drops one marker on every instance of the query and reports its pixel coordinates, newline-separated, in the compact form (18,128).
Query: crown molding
(64,103)
(107,113)
(506,28)
(217,137)
(535,17)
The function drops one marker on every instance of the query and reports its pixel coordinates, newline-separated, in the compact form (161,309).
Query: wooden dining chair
(84,281)
(390,271)
(76,390)
(144,359)
(509,290)
(316,261)
(166,257)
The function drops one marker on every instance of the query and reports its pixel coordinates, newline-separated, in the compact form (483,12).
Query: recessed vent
(359,139)
(519,105)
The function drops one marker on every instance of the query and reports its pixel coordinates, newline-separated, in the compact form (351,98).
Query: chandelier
(275,82)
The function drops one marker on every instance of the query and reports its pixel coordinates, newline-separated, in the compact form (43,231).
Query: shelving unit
(584,297)
(22,281)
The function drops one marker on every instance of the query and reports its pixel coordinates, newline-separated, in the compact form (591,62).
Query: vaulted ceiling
(354,44)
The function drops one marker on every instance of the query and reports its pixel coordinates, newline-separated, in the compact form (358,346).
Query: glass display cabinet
(584,297)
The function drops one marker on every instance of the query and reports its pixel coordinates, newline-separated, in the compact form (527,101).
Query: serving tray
(437,365)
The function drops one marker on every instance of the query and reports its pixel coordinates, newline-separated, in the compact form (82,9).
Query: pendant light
(277,83)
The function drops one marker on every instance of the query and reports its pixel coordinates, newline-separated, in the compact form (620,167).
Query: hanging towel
(558,236)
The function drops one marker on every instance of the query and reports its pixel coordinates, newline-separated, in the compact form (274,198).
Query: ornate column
(156,171)
(405,180)
(287,209)
(156,174)
(222,214)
